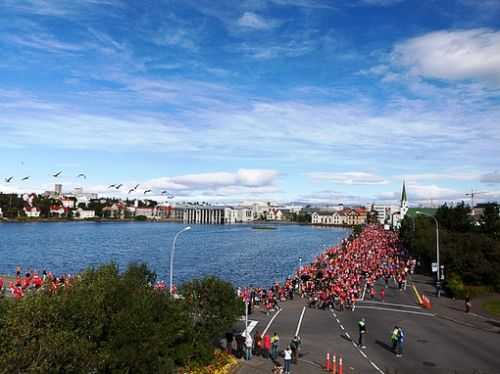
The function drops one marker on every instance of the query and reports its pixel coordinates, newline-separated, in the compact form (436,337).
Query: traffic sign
(434,267)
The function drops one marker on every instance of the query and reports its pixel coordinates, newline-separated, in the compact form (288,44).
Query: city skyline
(281,100)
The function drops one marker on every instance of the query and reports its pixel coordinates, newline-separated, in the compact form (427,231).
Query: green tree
(213,307)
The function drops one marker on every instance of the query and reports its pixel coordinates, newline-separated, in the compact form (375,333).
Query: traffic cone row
(331,366)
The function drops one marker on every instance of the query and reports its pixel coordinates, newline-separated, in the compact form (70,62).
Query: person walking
(295,346)
(257,343)
(401,340)
(248,346)
(288,359)
(267,346)
(275,342)
(362,332)
(394,338)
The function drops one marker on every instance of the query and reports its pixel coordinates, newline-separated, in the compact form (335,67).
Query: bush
(140,218)
(109,322)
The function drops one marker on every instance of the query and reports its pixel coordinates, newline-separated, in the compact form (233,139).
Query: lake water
(237,253)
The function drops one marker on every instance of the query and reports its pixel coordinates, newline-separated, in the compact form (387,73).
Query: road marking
(359,349)
(376,367)
(310,362)
(271,321)
(300,321)
(364,292)
(391,304)
(250,327)
(398,310)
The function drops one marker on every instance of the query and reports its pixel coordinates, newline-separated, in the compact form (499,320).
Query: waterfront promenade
(438,341)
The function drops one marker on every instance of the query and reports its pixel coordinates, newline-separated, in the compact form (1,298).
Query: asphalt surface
(437,340)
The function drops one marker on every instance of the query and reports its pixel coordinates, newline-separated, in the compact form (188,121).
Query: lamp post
(438,281)
(172,257)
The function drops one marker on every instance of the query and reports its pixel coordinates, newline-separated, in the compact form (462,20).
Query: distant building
(58,188)
(1,213)
(209,215)
(68,203)
(146,212)
(84,214)
(392,215)
(344,217)
(32,212)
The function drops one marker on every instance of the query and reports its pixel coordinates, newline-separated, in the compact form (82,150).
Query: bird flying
(145,192)
(25,178)
(57,174)
(118,186)
(164,192)
(8,179)
(131,190)
(81,175)
(136,186)
(112,186)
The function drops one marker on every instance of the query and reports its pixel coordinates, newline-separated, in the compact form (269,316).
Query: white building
(32,212)
(146,212)
(215,215)
(392,215)
(68,203)
(244,214)
(1,213)
(84,214)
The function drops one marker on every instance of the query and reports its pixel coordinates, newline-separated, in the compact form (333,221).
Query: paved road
(434,345)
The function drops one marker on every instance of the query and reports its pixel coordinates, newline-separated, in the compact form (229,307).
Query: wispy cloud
(350,178)
(453,55)
(44,42)
(254,21)
(491,177)
(381,3)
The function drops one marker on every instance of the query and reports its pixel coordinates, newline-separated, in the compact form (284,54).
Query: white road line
(358,348)
(300,321)
(376,367)
(391,304)
(251,326)
(342,327)
(398,310)
(364,292)
(271,321)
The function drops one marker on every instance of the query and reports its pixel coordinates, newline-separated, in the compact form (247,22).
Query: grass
(492,307)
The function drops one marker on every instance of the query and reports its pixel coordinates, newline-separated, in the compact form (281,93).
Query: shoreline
(131,220)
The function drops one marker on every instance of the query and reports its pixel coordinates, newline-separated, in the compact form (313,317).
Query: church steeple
(404,198)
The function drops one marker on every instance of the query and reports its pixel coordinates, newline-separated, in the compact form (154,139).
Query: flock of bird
(115,186)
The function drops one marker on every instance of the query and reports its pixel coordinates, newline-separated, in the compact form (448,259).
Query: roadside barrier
(327,365)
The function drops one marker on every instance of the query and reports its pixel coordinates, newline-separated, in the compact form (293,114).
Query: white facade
(68,203)
(209,215)
(84,214)
(243,214)
(32,212)
(147,212)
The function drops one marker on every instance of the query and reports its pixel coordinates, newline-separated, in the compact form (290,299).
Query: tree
(213,307)
(105,322)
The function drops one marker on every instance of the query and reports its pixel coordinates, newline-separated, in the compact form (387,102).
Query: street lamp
(172,257)
(438,282)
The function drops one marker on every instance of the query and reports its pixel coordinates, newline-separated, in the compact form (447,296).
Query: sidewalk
(454,310)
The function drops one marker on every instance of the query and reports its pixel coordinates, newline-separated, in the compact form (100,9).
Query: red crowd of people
(32,281)
(338,277)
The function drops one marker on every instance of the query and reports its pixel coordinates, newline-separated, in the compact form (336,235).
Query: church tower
(404,202)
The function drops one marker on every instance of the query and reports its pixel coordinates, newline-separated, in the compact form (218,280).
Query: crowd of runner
(342,274)
(336,279)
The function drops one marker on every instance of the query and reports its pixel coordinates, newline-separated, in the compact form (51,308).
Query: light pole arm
(172,253)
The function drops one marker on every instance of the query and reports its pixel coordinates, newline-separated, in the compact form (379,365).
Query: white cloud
(351,178)
(253,21)
(382,3)
(491,177)
(448,176)
(246,178)
(453,55)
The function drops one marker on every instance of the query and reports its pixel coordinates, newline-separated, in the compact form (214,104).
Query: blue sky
(253,100)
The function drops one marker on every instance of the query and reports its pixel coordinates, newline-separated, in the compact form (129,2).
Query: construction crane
(471,195)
